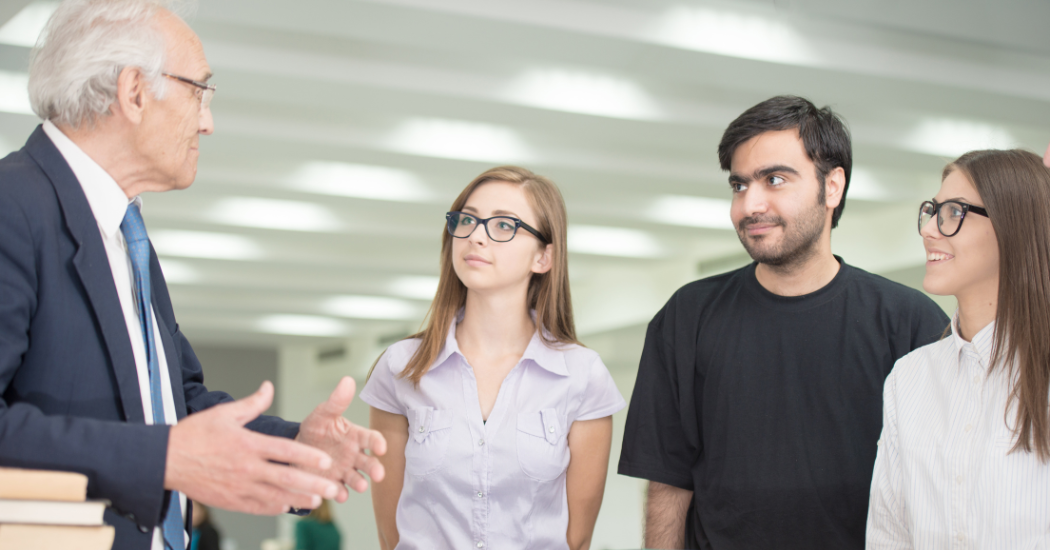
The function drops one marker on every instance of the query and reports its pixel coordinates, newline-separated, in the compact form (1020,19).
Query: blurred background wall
(344,129)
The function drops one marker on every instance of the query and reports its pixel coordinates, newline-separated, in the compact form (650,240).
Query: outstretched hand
(326,429)
(213,459)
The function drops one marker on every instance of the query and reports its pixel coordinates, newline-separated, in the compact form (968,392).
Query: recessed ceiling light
(420,287)
(176,272)
(359,180)
(691,211)
(613,241)
(733,34)
(458,139)
(25,27)
(951,138)
(14,93)
(302,325)
(371,307)
(578,92)
(865,186)
(201,244)
(273,214)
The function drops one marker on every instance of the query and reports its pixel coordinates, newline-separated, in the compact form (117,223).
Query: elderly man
(95,376)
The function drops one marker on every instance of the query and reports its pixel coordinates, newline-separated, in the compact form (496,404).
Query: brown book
(51,512)
(55,537)
(42,485)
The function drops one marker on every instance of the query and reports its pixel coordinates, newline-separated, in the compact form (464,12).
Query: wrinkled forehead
(185,52)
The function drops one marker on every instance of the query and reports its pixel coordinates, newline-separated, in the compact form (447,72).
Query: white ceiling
(397,104)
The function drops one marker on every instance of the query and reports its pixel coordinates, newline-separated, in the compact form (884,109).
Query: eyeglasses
(950,215)
(462,225)
(204,91)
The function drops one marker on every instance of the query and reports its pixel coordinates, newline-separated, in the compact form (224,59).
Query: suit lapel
(174,363)
(92,266)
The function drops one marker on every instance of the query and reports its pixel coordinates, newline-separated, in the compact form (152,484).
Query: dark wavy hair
(824,135)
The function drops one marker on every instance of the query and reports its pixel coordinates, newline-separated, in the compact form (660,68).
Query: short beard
(799,242)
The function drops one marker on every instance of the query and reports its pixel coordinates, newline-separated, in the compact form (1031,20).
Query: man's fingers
(298,481)
(288,451)
(370,466)
(248,409)
(340,398)
(278,500)
(356,481)
(374,441)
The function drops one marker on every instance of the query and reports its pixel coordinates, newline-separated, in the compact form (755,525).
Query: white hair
(73,68)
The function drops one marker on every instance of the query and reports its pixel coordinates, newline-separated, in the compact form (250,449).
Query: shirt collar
(981,342)
(537,351)
(107,200)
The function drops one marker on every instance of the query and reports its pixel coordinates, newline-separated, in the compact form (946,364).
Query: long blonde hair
(548,292)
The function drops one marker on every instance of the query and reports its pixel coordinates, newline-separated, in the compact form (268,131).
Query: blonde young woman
(497,419)
(964,456)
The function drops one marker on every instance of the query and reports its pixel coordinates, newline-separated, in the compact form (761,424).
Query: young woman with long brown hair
(964,457)
(497,420)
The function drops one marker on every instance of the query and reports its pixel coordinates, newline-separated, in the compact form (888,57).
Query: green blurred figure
(317,531)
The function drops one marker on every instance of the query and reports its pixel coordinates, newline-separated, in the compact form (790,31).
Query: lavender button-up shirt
(499,484)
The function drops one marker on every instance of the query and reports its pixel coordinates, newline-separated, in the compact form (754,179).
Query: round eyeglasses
(499,228)
(950,215)
(203,92)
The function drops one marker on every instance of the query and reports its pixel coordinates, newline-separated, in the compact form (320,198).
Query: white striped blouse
(944,475)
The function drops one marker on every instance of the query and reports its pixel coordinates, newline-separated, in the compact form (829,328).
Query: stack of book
(45,510)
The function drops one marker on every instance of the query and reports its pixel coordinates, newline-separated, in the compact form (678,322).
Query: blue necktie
(134,231)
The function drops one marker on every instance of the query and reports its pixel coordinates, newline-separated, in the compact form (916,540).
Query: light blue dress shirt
(500,484)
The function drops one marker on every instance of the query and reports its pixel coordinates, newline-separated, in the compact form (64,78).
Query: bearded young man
(758,402)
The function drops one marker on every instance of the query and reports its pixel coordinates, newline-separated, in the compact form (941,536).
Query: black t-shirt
(769,407)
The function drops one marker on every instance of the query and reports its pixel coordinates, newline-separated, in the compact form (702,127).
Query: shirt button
(961,537)
(550,429)
(969,427)
(421,429)
(143,529)
(482,544)
(976,380)
(958,479)
(480,494)
(480,443)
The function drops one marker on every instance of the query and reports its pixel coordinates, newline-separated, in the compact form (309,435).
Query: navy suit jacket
(69,390)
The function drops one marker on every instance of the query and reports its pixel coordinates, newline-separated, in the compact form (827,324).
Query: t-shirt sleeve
(928,322)
(380,390)
(601,398)
(655,445)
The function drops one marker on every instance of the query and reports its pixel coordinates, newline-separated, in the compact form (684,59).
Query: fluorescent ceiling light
(577,92)
(176,272)
(25,27)
(371,307)
(461,140)
(359,180)
(200,244)
(613,241)
(302,325)
(863,185)
(951,138)
(691,211)
(733,34)
(14,93)
(420,287)
(273,214)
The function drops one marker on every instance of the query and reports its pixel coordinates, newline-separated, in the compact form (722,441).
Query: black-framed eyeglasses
(950,215)
(502,229)
(204,91)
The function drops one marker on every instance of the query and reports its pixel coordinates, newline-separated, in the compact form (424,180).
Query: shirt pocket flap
(424,420)
(548,424)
